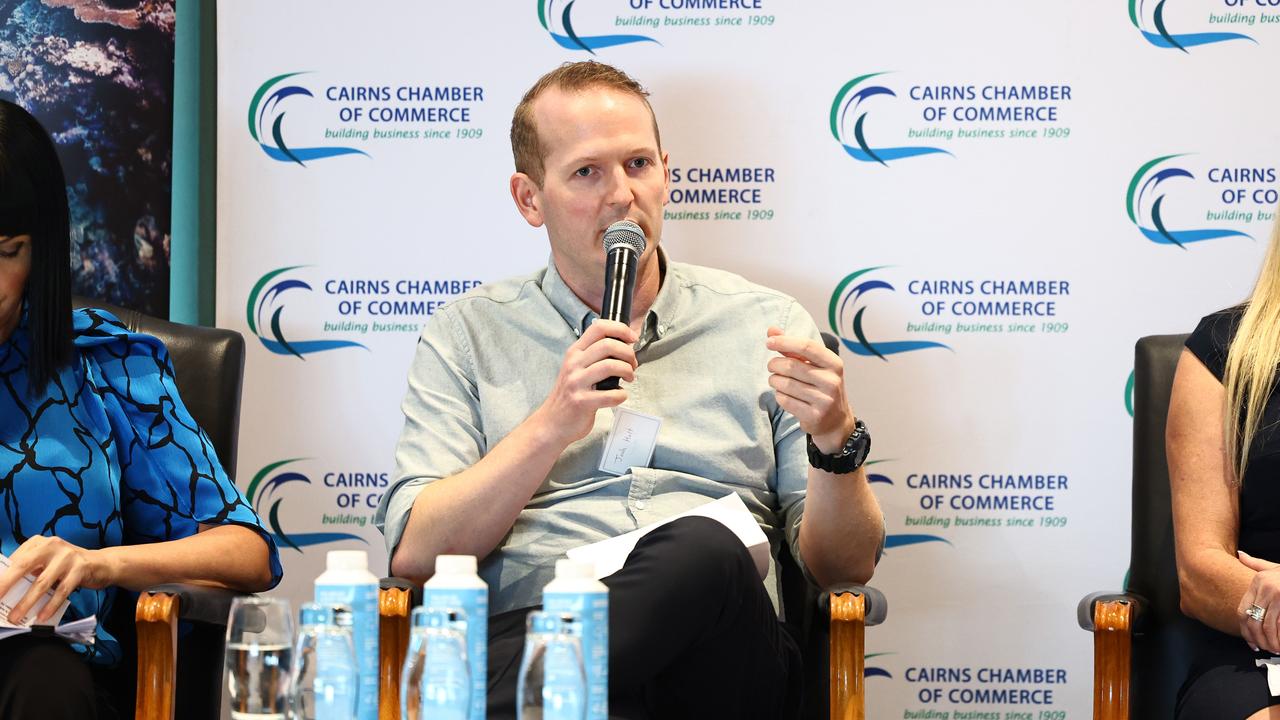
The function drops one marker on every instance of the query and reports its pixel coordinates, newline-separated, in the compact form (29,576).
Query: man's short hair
(569,77)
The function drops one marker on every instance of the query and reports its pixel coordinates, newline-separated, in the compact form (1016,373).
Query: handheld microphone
(623,244)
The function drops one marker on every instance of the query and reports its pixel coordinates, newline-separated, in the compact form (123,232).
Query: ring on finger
(1256,612)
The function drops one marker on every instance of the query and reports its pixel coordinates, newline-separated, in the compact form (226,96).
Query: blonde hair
(1252,360)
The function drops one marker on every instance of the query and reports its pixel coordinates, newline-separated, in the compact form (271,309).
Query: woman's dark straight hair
(33,201)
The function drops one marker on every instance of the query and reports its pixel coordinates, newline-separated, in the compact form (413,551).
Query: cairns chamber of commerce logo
(265,309)
(267,112)
(266,496)
(849,123)
(557,20)
(870,671)
(896,540)
(847,312)
(1146,205)
(1128,393)
(1148,16)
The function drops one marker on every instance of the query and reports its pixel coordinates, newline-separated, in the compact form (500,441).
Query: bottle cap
(346,560)
(575,569)
(455,564)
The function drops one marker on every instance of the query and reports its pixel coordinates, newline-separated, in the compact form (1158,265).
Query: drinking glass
(552,684)
(325,682)
(259,649)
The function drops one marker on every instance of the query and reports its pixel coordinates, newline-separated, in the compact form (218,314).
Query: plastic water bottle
(575,591)
(325,678)
(456,585)
(552,684)
(347,581)
(436,681)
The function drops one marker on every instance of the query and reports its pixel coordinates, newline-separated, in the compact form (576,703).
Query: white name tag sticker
(631,441)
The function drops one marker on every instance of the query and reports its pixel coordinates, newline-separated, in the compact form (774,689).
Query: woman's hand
(1264,591)
(57,565)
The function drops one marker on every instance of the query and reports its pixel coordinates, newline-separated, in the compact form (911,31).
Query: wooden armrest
(848,616)
(157,614)
(395,601)
(1112,657)
(157,627)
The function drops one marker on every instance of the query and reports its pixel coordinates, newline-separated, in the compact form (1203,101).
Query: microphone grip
(619,283)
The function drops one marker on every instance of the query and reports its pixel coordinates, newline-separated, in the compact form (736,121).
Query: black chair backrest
(1162,650)
(208,364)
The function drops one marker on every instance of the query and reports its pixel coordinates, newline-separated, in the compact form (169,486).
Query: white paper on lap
(730,511)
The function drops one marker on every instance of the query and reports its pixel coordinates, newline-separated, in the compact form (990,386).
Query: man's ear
(666,178)
(528,197)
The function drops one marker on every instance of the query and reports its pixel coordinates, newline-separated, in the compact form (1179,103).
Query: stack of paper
(81,631)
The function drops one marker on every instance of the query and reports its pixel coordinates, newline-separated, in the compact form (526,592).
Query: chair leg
(1112,656)
(848,613)
(393,644)
(157,627)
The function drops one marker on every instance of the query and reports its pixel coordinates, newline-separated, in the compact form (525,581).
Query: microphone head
(624,233)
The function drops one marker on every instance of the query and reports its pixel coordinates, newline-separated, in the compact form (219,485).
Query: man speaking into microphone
(509,410)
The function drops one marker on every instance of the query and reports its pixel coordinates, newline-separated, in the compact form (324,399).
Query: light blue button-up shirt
(487,360)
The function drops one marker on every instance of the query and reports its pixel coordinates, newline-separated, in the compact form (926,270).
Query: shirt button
(640,504)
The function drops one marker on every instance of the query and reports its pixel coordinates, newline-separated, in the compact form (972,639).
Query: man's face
(601,164)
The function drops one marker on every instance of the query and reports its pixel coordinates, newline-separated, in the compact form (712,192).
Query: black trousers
(692,634)
(44,679)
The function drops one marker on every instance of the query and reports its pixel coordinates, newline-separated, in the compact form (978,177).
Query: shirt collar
(578,316)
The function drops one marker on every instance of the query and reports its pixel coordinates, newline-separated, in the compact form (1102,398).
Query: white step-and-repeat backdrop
(989,202)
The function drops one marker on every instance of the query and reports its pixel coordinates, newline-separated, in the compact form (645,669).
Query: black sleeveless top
(1224,680)
(1260,492)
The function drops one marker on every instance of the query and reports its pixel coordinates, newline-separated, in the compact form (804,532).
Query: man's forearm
(842,527)
(469,513)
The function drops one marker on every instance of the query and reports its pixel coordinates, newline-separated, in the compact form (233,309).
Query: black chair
(1142,641)
(827,623)
(208,366)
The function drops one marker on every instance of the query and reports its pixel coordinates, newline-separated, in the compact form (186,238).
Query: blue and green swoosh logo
(1145,203)
(846,313)
(557,20)
(848,108)
(1149,19)
(265,309)
(263,488)
(266,123)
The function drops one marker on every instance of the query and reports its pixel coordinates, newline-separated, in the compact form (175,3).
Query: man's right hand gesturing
(604,350)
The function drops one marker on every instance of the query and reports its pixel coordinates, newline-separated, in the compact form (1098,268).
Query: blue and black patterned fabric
(107,455)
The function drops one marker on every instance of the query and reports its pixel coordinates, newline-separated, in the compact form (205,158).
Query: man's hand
(57,565)
(604,351)
(808,380)
(1264,592)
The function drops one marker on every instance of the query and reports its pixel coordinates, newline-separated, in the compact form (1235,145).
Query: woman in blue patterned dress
(106,482)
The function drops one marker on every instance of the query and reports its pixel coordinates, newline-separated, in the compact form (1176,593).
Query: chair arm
(200,603)
(396,599)
(156,621)
(875,605)
(1112,617)
(1088,604)
(850,609)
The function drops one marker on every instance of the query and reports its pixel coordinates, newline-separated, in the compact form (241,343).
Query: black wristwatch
(851,456)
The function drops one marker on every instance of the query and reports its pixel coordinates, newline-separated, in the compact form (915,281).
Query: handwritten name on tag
(631,441)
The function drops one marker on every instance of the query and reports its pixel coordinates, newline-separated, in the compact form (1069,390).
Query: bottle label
(593,611)
(475,603)
(363,601)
